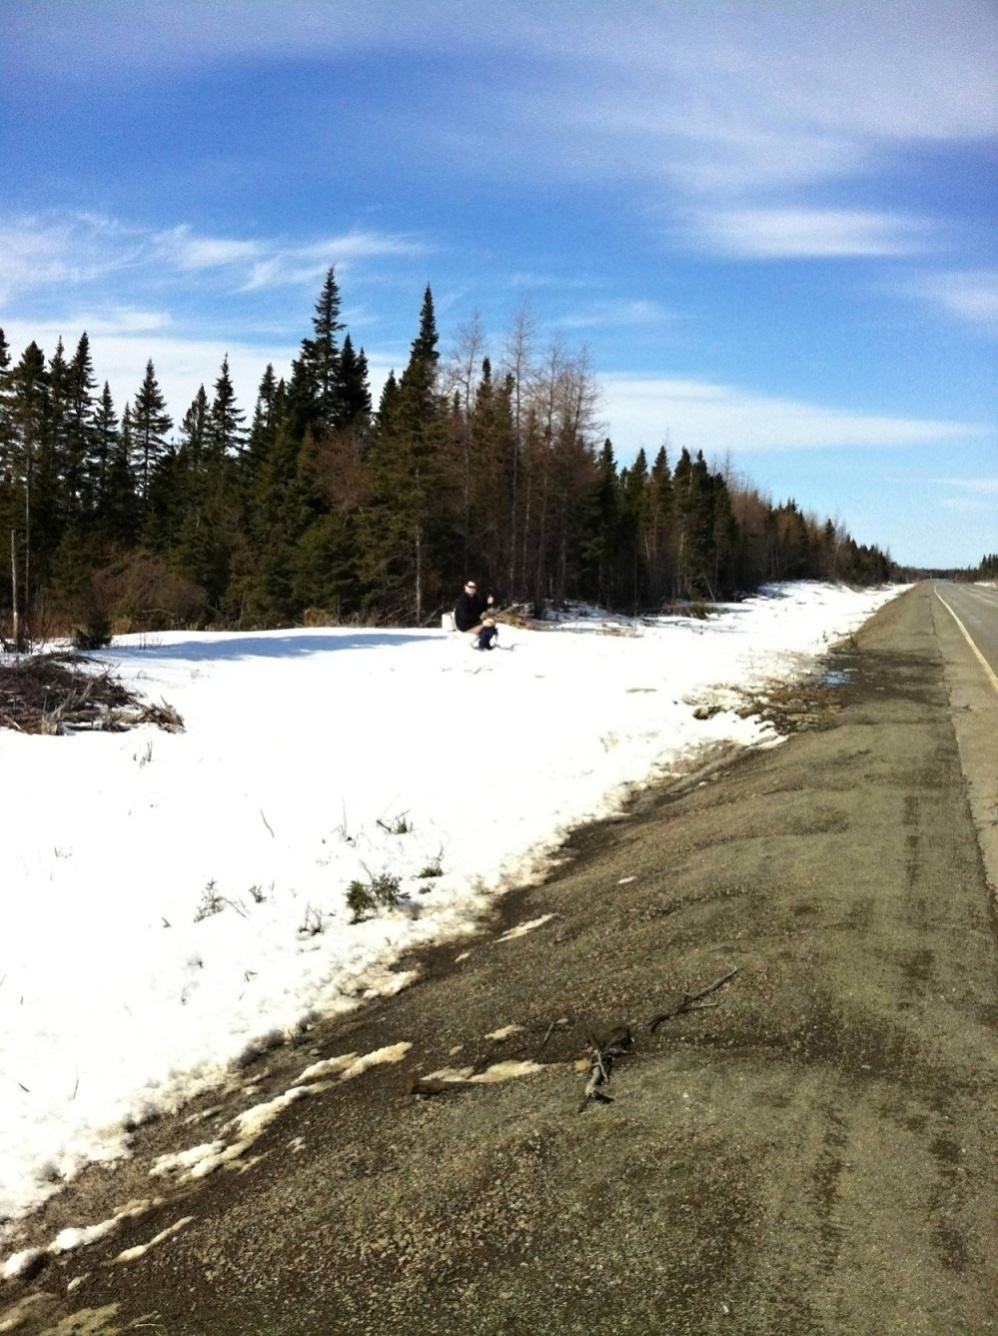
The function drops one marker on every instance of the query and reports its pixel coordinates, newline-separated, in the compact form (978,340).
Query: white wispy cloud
(797,233)
(73,250)
(118,320)
(603,314)
(746,108)
(970,295)
(704,415)
(44,250)
(290,265)
(181,247)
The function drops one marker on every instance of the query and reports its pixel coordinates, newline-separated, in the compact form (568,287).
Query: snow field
(172,902)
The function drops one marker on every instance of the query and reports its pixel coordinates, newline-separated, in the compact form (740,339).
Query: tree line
(321,507)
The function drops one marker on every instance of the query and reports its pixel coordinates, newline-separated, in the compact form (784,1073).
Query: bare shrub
(141,592)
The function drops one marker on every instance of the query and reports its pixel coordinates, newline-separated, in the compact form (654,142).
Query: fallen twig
(602,1058)
(692,1001)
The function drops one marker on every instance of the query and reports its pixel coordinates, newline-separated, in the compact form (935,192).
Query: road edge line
(966,635)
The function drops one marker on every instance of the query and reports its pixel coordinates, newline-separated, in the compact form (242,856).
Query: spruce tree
(78,497)
(149,423)
(29,417)
(324,351)
(262,429)
(208,513)
(407,521)
(226,431)
(660,528)
(119,503)
(352,405)
(603,532)
(103,441)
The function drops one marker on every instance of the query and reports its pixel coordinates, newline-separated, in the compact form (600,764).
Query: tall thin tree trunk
(419,576)
(27,538)
(13,587)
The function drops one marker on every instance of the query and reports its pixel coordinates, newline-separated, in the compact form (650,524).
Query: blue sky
(771,222)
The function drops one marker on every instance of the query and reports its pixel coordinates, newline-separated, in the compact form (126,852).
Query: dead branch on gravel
(602,1058)
(692,1001)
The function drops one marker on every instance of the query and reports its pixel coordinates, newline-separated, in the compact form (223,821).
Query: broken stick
(692,1001)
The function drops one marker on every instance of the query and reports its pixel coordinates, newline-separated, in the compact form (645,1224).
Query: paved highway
(976,608)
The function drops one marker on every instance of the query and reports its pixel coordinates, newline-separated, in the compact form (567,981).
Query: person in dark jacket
(469,616)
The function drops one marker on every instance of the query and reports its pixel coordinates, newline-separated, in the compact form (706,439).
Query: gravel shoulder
(811,1154)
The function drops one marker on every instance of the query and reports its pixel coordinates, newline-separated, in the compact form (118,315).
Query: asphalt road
(811,1154)
(977,608)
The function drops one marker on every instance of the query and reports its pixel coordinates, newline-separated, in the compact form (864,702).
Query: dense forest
(320,508)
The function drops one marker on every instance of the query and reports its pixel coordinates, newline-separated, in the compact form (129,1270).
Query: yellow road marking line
(984,663)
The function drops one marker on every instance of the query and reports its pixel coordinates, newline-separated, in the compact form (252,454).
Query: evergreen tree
(406,522)
(76,465)
(388,401)
(633,532)
(264,425)
(103,440)
(324,353)
(9,499)
(660,529)
(226,435)
(352,406)
(603,532)
(29,417)
(207,514)
(149,424)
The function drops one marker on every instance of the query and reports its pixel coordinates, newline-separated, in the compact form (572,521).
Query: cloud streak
(796,233)
(714,418)
(968,295)
(74,250)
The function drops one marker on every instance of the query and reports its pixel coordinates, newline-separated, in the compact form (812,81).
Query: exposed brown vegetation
(67,693)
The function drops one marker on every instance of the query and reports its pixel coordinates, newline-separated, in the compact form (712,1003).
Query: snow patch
(140,1250)
(391,1053)
(499,1071)
(504,1033)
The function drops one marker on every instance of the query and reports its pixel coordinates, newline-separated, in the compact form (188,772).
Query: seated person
(468,616)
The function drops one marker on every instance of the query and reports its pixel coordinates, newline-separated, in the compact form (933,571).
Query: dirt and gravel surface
(813,1153)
